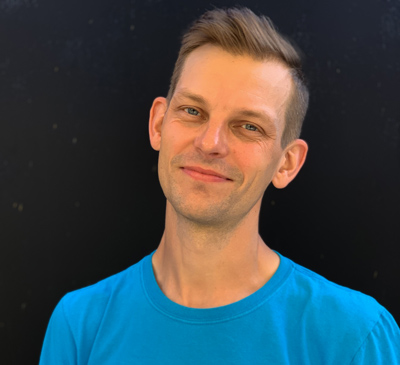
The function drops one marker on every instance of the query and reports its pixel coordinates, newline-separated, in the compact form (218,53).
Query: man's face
(220,137)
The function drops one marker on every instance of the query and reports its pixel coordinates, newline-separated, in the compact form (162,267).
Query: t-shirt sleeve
(59,346)
(382,345)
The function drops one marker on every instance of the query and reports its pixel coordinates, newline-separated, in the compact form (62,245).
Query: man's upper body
(297,317)
(228,128)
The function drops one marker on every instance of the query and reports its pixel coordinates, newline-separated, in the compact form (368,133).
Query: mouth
(199,173)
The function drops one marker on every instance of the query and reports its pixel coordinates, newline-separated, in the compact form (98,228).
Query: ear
(157,112)
(292,160)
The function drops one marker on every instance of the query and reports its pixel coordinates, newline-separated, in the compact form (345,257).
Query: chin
(201,214)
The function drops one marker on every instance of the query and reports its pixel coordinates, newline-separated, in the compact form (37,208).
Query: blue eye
(250,127)
(191,111)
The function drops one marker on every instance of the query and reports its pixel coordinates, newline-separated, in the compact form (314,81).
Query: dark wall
(79,195)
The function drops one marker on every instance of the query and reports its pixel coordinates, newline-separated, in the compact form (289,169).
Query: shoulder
(332,306)
(382,345)
(84,308)
(329,296)
(356,321)
(80,315)
(104,288)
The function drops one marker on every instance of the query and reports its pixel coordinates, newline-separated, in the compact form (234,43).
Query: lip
(199,173)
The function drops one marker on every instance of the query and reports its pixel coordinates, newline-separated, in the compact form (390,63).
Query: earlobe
(157,112)
(292,161)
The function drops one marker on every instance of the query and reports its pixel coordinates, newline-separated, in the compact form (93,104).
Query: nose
(212,140)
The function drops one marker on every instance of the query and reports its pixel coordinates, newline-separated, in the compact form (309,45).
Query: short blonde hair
(240,32)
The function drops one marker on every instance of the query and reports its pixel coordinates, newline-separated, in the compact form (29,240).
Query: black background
(79,194)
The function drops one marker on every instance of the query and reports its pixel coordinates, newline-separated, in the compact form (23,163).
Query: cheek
(251,156)
(256,164)
(173,138)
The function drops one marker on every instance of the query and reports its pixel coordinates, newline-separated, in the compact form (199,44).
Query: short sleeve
(382,345)
(59,345)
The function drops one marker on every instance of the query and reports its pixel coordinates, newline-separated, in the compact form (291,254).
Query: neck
(204,266)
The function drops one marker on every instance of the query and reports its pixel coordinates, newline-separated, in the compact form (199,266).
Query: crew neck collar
(211,315)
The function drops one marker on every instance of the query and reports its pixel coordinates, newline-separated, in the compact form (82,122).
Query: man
(213,292)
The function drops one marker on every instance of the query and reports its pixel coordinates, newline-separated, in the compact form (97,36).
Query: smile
(198,173)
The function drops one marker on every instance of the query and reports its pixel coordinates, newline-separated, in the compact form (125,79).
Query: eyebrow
(256,114)
(195,97)
(263,114)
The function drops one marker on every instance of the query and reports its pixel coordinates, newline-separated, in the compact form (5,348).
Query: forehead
(230,81)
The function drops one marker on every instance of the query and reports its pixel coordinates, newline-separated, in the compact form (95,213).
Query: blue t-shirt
(297,317)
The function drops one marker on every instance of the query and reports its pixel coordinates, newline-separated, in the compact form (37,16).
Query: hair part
(239,31)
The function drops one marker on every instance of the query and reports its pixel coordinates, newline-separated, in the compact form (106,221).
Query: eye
(250,127)
(191,111)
